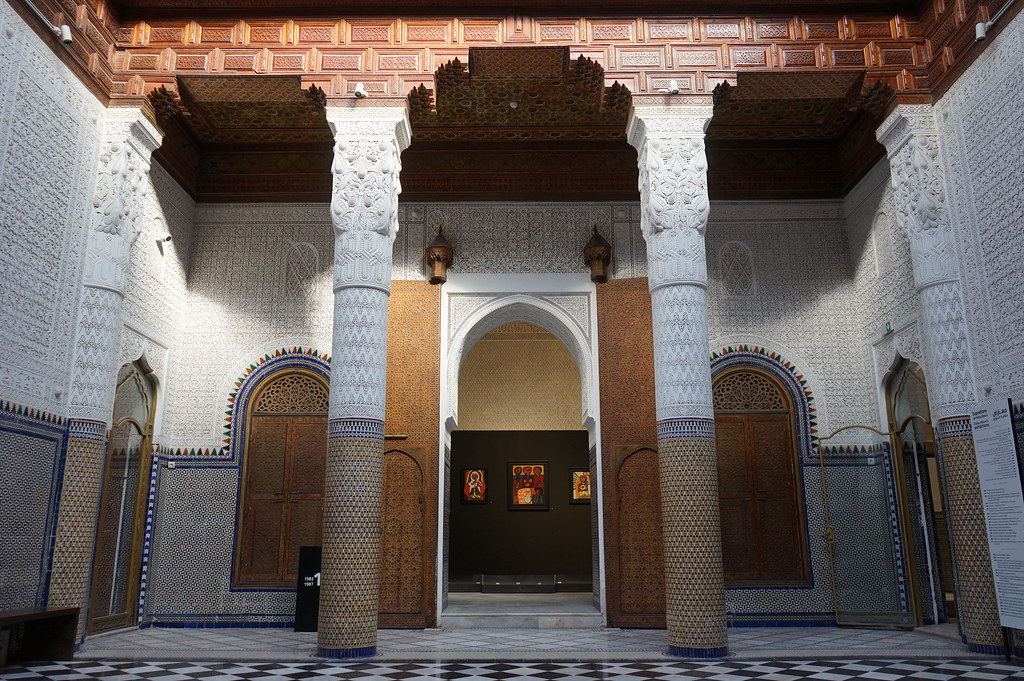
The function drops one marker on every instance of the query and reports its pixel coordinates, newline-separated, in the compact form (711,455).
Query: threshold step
(547,620)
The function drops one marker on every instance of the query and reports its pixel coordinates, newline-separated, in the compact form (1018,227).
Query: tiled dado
(391,56)
(32,449)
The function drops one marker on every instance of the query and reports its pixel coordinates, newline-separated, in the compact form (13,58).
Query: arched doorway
(116,566)
(283,477)
(561,309)
(763,534)
(518,523)
(909,417)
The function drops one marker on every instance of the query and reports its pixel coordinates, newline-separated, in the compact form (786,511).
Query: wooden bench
(46,633)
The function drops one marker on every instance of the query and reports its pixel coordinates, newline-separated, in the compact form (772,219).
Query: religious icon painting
(474,485)
(527,486)
(579,485)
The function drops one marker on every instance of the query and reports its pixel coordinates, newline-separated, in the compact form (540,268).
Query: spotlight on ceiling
(360,91)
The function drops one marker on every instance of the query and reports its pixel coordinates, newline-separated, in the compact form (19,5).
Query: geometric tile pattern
(976,599)
(351,546)
(76,524)
(694,590)
(192,554)
(739,670)
(31,461)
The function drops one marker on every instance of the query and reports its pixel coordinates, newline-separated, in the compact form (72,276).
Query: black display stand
(307,591)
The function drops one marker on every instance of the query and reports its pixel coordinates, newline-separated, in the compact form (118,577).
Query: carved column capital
(915,161)
(364,206)
(122,184)
(673,190)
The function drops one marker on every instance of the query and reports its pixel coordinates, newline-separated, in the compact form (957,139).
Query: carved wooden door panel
(405,537)
(636,587)
(284,496)
(762,525)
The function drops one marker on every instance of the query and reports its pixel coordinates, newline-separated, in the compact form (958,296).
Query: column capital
(666,117)
(906,121)
(122,185)
(364,205)
(918,181)
(674,204)
(361,119)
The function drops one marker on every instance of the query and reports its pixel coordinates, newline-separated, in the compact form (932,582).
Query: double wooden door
(762,528)
(284,497)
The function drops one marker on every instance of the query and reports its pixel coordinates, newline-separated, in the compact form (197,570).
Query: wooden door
(759,496)
(636,571)
(284,490)
(406,537)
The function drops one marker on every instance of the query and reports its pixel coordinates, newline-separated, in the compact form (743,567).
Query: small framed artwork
(579,485)
(474,485)
(528,486)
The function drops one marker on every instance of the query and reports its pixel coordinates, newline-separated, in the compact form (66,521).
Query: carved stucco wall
(884,281)
(519,377)
(259,279)
(982,133)
(155,295)
(779,276)
(49,126)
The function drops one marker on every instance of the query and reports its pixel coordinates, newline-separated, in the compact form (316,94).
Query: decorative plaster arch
(787,354)
(258,371)
(537,310)
(791,378)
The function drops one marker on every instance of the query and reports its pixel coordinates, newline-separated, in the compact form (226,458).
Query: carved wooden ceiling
(520,124)
(237,138)
(191,8)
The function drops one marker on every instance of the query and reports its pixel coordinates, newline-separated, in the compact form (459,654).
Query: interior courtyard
(338,336)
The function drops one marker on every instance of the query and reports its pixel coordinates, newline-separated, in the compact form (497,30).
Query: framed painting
(579,485)
(474,486)
(528,486)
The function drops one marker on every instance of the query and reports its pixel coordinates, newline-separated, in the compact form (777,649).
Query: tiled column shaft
(669,138)
(915,158)
(121,189)
(364,210)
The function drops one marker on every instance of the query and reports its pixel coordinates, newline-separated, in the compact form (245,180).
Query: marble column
(364,210)
(669,138)
(128,141)
(915,158)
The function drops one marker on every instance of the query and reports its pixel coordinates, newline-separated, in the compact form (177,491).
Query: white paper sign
(1003,500)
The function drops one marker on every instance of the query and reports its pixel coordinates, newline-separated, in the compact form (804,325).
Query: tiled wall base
(220,624)
(976,597)
(694,589)
(32,456)
(76,522)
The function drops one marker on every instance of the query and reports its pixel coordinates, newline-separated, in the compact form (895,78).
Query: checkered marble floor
(730,670)
(285,645)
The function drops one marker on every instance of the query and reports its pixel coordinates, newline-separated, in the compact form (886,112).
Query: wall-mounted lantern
(597,254)
(440,256)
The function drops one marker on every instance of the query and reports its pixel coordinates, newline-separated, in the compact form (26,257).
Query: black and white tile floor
(727,670)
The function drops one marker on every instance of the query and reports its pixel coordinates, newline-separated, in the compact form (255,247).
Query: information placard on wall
(999,475)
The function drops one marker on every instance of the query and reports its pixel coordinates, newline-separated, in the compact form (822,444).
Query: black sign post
(307,591)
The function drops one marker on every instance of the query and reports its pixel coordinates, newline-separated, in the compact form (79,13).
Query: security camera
(980,31)
(163,238)
(65,33)
(672,89)
(360,91)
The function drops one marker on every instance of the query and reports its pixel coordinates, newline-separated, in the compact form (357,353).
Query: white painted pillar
(364,209)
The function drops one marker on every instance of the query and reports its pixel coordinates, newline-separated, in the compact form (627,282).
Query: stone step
(519,620)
